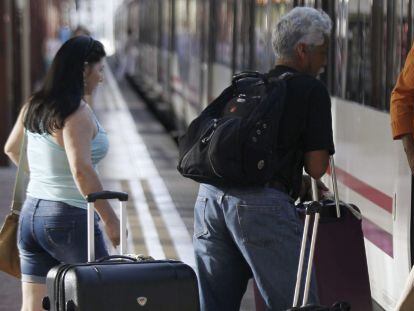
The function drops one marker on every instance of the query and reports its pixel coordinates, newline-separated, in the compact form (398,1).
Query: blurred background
(31,32)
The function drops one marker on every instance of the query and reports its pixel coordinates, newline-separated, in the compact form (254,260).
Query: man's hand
(408,143)
(306,189)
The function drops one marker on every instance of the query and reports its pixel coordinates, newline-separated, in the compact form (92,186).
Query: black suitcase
(120,282)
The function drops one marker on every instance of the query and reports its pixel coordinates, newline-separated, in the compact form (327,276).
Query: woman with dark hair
(64,144)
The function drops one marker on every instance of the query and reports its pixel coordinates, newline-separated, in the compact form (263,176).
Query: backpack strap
(284,76)
(248,74)
(217,105)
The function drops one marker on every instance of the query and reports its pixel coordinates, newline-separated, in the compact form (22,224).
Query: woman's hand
(112,230)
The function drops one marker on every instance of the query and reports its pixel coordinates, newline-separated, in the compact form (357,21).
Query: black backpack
(233,141)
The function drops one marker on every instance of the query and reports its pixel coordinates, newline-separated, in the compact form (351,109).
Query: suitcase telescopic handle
(313,208)
(105,195)
(334,185)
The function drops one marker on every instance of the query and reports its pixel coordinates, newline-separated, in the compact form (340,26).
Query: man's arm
(318,137)
(316,163)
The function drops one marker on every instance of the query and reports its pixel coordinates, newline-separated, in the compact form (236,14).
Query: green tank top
(50,174)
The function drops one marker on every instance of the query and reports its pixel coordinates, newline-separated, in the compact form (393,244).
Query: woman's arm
(12,146)
(77,135)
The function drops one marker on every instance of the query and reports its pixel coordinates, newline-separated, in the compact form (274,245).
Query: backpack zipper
(209,147)
(203,140)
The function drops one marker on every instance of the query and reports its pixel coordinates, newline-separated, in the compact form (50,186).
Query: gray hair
(301,25)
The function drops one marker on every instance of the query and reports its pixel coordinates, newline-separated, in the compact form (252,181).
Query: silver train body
(188,50)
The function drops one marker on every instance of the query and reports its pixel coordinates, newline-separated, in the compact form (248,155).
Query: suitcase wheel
(46,303)
(70,306)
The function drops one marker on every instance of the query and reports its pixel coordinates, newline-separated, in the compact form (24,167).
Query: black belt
(278,186)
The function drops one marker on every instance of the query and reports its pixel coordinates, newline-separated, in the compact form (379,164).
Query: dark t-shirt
(306,125)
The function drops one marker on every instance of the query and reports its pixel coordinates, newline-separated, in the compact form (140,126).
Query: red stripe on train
(375,196)
(378,236)
(372,232)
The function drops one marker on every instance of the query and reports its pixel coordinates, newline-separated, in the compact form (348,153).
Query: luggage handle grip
(114,257)
(107,195)
(91,198)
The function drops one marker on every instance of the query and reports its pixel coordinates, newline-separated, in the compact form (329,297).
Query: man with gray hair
(242,232)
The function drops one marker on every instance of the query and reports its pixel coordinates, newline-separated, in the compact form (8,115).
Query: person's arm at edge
(13,143)
(402,108)
(402,100)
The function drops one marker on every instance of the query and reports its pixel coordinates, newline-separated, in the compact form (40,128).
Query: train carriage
(189,50)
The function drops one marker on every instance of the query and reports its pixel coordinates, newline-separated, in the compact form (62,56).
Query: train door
(204,15)
(193,90)
(132,26)
(154,46)
(180,63)
(266,15)
(275,11)
(165,26)
(262,37)
(222,28)
(243,35)
(146,33)
(367,44)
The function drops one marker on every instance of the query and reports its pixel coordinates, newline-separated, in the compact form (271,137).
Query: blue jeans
(51,233)
(239,233)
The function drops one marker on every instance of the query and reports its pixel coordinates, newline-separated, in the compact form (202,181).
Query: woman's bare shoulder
(80,118)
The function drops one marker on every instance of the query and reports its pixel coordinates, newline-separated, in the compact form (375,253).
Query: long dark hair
(63,87)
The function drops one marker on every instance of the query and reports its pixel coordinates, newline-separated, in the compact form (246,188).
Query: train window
(194,73)
(359,57)
(358,67)
(203,29)
(399,31)
(165,43)
(165,25)
(372,42)
(262,35)
(193,29)
(133,18)
(143,29)
(182,39)
(224,36)
(152,20)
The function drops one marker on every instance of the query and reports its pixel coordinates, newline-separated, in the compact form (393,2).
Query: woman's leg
(33,294)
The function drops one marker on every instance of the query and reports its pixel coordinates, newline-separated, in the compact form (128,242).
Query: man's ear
(301,51)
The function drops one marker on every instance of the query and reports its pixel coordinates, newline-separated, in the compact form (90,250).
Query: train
(188,51)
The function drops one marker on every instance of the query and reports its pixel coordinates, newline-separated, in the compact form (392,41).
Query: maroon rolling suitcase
(339,258)
(120,282)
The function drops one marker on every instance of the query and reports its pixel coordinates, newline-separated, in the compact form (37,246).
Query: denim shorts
(51,233)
